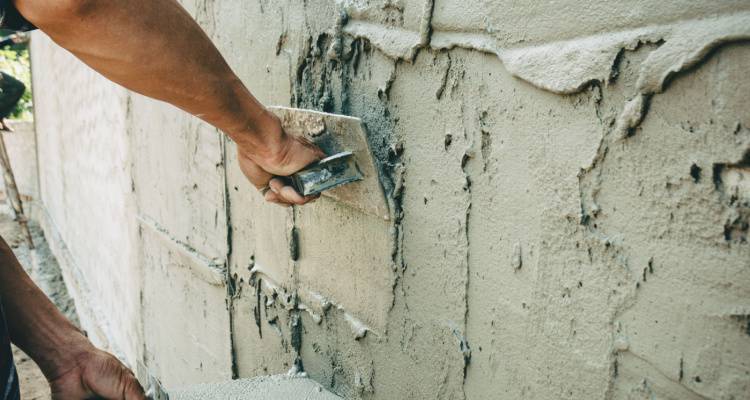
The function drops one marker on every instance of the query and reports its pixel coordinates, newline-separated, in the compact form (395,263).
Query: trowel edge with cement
(337,134)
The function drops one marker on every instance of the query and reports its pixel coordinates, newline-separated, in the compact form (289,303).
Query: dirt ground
(43,268)
(33,384)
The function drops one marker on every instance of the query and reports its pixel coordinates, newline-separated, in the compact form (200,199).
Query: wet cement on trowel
(274,387)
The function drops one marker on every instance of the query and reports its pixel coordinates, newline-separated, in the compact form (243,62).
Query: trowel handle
(328,173)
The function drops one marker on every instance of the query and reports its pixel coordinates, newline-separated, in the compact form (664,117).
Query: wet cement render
(569,194)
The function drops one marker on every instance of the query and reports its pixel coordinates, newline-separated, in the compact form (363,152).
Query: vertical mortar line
(294,241)
(397,245)
(466,162)
(466,293)
(231,286)
(425,25)
(296,316)
(142,370)
(294,101)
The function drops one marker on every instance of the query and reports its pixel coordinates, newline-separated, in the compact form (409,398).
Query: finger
(259,178)
(272,197)
(286,192)
(254,173)
(280,192)
(295,200)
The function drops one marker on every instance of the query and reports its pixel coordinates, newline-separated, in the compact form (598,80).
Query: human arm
(73,366)
(155,48)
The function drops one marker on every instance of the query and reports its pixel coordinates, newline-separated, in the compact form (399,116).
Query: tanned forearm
(155,48)
(34,323)
(74,368)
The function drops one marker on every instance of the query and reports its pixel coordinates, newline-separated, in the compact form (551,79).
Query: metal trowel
(349,174)
(328,173)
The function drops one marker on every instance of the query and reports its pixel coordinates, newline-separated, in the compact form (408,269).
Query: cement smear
(567,182)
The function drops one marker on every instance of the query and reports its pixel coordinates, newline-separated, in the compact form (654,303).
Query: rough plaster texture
(183,242)
(568,185)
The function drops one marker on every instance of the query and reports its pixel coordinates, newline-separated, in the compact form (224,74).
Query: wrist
(63,354)
(256,130)
(262,139)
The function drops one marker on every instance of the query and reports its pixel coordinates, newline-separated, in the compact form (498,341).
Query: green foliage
(14,60)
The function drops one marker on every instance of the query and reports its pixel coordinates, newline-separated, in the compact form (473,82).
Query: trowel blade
(336,134)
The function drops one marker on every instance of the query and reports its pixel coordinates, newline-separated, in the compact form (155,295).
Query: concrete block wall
(85,183)
(568,184)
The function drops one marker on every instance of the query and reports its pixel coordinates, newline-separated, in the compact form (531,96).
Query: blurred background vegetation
(14,60)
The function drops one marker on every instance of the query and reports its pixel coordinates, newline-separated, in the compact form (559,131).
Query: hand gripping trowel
(349,174)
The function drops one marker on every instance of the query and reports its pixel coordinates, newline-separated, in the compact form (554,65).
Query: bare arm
(154,47)
(75,369)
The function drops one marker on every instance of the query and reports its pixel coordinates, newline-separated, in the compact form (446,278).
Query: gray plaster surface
(275,387)
(567,182)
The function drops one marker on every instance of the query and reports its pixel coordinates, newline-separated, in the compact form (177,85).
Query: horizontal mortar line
(210,270)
